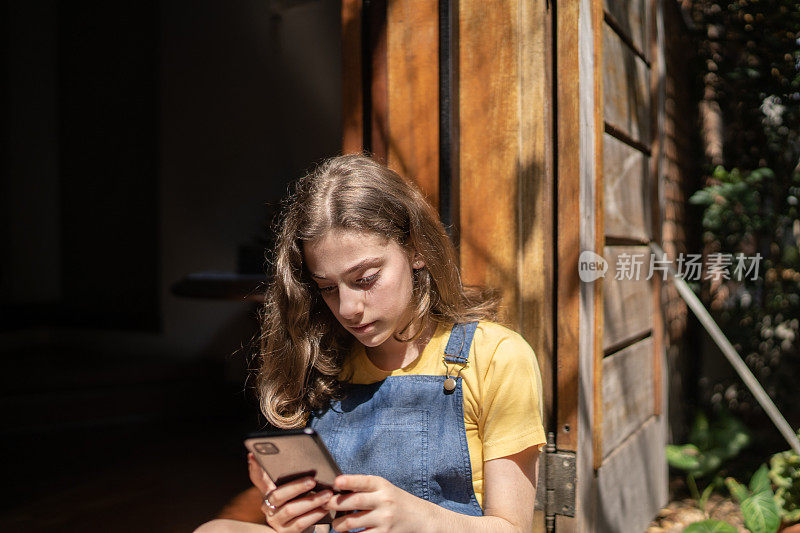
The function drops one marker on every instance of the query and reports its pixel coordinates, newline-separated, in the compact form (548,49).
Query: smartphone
(290,454)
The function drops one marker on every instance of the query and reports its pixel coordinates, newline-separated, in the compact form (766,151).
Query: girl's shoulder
(498,343)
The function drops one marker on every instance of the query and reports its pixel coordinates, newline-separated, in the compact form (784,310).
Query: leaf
(785,475)
(761,513)
(759,174)
(702,197)
(720,173)
(792,516)
(710,526)
(760,480)
(734,442)
(709,461)
(738,490)
(685,457)
(730,433)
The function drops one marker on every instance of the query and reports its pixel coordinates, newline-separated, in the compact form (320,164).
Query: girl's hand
(297,515)
(383,507)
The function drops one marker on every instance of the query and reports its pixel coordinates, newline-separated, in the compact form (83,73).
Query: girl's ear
(417,262)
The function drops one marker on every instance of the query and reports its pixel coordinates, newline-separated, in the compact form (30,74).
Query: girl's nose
(351,303)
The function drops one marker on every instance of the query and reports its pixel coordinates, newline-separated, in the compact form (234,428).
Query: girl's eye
(367,280)
(361,282)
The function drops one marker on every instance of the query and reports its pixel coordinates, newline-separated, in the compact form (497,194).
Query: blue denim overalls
(409,430)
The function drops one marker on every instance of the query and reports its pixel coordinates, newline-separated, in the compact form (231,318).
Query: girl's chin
(372,338)
(370,341)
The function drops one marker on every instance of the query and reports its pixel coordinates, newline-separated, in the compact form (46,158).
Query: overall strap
(457,349)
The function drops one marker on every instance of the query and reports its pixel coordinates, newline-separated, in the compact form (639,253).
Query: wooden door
(610,58)
(455,96)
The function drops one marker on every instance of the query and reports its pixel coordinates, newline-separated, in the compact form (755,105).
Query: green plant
(785,475)
(734,210)
(711,444)
(748,78)
(758,504)
(755,215)
(759,509)
(710,526)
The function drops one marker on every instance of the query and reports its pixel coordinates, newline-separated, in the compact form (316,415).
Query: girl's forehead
(339,249)
(348,238)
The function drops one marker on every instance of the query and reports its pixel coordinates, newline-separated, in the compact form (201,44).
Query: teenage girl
(432,410)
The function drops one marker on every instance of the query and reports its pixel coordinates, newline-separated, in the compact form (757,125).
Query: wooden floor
(151,478)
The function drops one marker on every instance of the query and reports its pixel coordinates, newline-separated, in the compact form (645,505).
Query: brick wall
(680,231)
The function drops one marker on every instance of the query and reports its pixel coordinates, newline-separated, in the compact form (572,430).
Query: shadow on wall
(144,142)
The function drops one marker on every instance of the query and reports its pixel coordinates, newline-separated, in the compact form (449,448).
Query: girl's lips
(362,328)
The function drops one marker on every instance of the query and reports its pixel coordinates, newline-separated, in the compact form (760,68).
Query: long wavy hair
(301,345)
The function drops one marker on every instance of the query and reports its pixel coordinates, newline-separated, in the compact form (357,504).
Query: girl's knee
(215,526)
(223,525)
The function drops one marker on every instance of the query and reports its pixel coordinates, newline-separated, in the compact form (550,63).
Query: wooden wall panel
(632,477)
(627,303)
(627,392)
(352,80)
(600,229)
(534,204)
(633,481)
(412,35)
(626,88)
(489,143)
(506,174)
(568,297)
(630,17)
(627,191)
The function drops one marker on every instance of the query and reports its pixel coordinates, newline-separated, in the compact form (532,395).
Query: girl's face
(365,279)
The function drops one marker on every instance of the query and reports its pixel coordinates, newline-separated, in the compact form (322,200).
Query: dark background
(143,142)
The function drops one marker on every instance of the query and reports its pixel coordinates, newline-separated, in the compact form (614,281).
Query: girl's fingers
(357,482)
(308,519)
(300,506)
(272,516)
(258,477)
(352,501)
(291,490)
(355,521)
(305,511)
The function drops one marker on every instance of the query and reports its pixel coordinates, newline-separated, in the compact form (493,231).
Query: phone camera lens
(266,448)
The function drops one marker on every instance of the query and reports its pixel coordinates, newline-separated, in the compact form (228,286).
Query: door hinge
(558,469)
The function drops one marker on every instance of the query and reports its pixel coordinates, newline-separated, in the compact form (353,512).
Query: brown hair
(301,345)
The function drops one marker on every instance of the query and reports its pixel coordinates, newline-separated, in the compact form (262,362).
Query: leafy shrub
(753,213)
(759,509)
(785,474)
(711,444)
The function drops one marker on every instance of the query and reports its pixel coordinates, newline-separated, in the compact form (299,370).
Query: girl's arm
(509,489)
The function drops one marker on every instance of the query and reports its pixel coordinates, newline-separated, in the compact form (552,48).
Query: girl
(432,410)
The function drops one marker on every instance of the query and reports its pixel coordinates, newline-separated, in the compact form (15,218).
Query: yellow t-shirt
(502,389)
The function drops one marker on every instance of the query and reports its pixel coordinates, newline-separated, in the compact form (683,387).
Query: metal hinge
(558,469)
